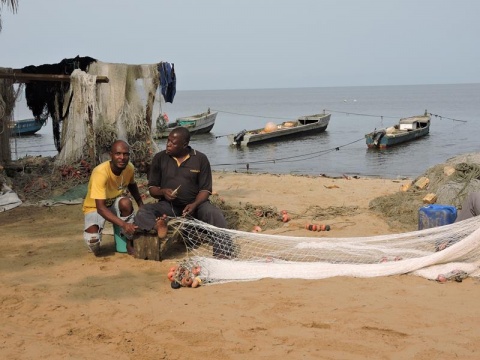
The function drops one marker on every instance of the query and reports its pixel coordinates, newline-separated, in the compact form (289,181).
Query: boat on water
(197,124)
(304,125)
(26,127)
(407,129)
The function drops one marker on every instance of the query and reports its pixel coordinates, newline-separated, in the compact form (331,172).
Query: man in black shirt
(181,179)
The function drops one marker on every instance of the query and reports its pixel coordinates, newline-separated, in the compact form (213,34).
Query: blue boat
(26,127)
(408,129)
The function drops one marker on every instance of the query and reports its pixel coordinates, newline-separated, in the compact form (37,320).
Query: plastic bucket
(120,240)
(436,215)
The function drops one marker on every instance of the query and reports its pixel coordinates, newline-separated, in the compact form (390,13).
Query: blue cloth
(168,80)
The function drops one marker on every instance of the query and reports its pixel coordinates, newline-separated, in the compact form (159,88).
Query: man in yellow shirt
(105,200)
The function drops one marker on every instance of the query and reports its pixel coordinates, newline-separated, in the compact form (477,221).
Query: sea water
(341,149)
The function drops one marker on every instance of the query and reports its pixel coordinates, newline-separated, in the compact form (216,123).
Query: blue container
(120,240)
(436,215)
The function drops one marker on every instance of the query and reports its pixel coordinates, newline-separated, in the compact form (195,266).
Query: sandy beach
(58,301)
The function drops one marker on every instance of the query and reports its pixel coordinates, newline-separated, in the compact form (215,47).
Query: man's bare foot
(161,225)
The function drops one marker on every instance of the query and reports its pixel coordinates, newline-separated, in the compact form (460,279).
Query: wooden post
(19,77)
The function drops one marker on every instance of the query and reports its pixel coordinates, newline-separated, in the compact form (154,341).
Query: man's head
(119,155)
(177,142)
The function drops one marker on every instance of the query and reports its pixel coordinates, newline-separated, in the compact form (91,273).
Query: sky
(256,44)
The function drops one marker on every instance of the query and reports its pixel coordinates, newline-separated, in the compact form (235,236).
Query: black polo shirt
(194,175)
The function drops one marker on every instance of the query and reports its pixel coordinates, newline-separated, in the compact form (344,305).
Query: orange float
(257,229)
(187,281)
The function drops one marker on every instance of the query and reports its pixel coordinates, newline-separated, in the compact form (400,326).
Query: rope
(292,158)
(465,173)
(391,117)
(359,114)
(250,115)
(444,117)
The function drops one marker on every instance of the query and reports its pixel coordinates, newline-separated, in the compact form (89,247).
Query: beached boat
(26,127)
(407,129)
(304,125)
(196,124)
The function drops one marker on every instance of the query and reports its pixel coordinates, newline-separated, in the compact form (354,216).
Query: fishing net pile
(223,255)
(444,252)
(89,113)
(100,113)
(450,182)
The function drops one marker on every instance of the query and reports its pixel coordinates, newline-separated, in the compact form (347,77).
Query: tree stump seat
(148,246)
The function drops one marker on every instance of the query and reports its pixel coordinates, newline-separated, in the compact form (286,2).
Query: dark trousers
(146,217)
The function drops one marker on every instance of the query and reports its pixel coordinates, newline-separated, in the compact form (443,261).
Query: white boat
(304,125)
(196,124)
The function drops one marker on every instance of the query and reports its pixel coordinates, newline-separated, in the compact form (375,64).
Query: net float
(315,227)
(187,281)
(196,282)
(257,229)
(196,270)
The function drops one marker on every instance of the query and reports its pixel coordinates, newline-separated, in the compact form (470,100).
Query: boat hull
(305,125)
(383,139)
(196,124)
(26,127)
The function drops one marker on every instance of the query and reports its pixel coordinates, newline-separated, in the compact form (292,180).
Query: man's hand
(129,228)
(189,209)
(169,194)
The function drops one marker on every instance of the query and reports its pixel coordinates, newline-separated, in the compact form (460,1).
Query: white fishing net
(451,250)
(100,113)
(79,122)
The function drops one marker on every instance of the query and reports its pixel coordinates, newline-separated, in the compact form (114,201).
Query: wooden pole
(19,77)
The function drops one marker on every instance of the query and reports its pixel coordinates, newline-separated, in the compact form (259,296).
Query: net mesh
(226,255)
(99,114)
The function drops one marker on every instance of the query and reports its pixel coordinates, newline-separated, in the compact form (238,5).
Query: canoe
(26,127)
(304,125)
(196,124)
(407,129)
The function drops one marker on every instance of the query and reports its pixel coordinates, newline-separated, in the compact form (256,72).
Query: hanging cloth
(168,81)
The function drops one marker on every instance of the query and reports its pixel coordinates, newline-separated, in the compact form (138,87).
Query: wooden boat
(26,127)
(196,124)
(304,125)
(407,129)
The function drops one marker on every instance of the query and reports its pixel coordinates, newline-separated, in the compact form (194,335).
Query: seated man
(181,179)
(470,207)
(105,200)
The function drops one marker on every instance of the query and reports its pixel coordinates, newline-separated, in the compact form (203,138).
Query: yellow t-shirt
(104,184)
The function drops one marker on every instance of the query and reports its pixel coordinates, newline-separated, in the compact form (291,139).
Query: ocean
(341,149)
